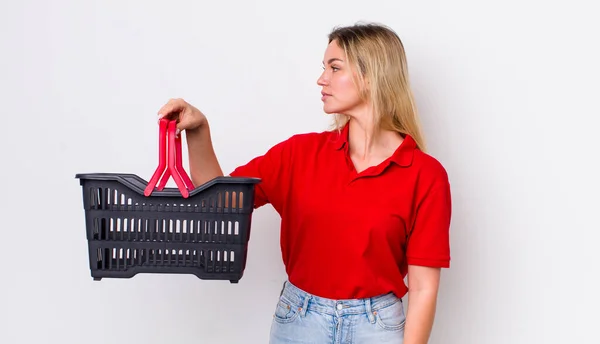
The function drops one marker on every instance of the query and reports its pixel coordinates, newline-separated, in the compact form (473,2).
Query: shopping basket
(134,226)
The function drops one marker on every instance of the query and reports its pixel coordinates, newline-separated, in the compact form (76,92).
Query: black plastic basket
(134,228)
(205,234)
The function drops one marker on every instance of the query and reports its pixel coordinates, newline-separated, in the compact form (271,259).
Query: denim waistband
(302,300)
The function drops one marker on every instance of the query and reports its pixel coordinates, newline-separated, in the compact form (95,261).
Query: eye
(334,68)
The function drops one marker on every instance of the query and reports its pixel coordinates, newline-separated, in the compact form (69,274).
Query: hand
(187,116)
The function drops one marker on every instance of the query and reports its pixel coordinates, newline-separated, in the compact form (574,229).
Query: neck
(368,142)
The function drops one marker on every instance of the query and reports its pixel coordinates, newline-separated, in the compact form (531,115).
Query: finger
(167,109)
(183,119)
(172,108)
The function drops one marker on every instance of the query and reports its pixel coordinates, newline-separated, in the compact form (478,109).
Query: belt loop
(305,304)
(369,310)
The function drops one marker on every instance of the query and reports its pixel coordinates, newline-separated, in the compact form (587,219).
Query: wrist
(198,130)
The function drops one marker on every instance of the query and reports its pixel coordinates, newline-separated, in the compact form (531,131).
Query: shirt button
(339,306)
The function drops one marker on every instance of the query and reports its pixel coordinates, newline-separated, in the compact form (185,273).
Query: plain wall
(508,96)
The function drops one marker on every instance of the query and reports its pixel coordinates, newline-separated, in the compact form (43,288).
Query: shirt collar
(403,155)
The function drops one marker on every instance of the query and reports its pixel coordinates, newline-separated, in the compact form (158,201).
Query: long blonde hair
(378,55)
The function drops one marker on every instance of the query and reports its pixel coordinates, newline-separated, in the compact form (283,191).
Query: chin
(332,110)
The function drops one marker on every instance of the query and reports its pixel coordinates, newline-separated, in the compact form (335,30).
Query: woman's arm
(204,165)
(423,284)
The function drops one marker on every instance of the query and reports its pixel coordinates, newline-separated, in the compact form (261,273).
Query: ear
(365,86)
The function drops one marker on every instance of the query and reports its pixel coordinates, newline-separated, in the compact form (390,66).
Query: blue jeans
(303,318)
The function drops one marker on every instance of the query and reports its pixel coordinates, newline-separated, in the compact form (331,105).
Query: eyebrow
(334,59)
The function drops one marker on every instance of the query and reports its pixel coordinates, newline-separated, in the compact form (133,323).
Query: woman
(362,206)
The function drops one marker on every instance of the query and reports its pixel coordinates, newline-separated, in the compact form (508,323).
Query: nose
(322,80)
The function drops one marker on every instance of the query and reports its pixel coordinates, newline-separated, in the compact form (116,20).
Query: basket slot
(107,202)
(102,203)
(101,198)
(134,228)
(207,235)
(94,198)
(114,199)
(142,257)
(107,192)
(109,254)
(226,202)
(222,202)
(209,261)
(120,259)
(233,201)
(110,199)
(215,261)
(191,228)
(232,261)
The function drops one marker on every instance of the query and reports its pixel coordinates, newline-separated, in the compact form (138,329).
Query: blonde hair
(377,54)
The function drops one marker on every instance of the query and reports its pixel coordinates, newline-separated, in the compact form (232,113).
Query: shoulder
(431,172)
(316,136)
(311,139)
(297,146)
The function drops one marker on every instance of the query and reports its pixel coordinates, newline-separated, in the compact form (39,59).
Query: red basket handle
(169,161)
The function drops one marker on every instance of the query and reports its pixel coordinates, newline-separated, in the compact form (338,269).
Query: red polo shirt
(351,235)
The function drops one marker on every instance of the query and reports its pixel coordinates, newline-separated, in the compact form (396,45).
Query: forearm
(420,316)
(203,161)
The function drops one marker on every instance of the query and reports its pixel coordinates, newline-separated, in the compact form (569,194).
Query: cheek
(345,87)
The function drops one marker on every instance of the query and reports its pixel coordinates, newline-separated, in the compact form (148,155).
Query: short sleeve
(273,170)
(429,239)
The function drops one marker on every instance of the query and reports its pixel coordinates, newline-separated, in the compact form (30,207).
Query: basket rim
(138,184)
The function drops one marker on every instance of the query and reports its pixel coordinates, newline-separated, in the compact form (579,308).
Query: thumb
(180,126)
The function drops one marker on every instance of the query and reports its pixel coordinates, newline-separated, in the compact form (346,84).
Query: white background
(507,91)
